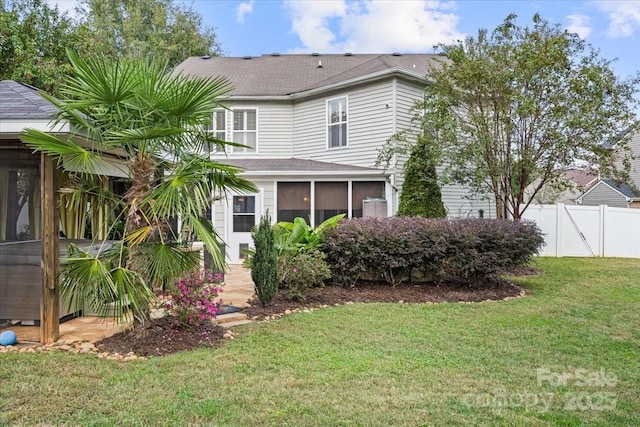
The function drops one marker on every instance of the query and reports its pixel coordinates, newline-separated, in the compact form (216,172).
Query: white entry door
(243,214)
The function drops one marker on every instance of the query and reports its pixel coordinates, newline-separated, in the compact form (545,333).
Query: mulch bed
(158,337)
(382,292)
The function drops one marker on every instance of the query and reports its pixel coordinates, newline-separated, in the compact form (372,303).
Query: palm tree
(157,121)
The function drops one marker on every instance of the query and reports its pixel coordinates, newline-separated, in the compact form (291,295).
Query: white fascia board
(366,78)
(256,98)
(316,173)
(18,125)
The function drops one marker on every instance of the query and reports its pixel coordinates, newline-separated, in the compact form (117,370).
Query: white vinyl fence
(587,231)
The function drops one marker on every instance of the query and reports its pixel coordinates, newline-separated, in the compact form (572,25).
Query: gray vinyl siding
(602,194)
(267,188)
(219,207)
(274,126)
(458,202)
(369,124)
(634,173)
(634,144)
(406,95)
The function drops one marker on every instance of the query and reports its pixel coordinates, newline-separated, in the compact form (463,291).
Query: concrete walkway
(238,289)
(238,286)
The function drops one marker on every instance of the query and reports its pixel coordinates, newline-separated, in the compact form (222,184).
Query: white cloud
(579,24)
(372,26)
(624,17)
(243,10)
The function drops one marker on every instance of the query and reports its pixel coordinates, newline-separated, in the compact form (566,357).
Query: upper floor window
(218,128)
(245,130)
(337,122)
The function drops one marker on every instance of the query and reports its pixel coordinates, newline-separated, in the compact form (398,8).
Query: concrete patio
(237,291)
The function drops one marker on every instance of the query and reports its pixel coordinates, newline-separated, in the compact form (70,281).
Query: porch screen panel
(19,196)
(294,199)
(331,198)
(362,190)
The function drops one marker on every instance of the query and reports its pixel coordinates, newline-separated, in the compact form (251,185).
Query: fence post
(603,224)
(559,227)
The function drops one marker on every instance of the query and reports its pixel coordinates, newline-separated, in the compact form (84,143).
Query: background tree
(517,106)
(34,37)
(161,29)
(421,194)
(138,110)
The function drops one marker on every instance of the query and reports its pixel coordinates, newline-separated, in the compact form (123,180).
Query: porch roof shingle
(20,101)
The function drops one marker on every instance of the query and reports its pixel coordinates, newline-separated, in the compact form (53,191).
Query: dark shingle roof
(294,165)
(623,188)
(19,101)
(281,75)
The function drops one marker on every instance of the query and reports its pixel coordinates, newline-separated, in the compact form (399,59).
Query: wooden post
(50,302)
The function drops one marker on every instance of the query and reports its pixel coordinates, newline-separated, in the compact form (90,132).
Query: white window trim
(214,122)
(327,123)
(230,130)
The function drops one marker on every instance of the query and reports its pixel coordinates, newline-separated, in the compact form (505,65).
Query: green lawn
(375,364)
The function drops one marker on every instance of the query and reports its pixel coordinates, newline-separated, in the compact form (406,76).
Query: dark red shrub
(462,250)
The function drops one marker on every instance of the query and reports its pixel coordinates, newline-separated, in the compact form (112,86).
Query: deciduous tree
(162,29)
(513,108)
(33,39)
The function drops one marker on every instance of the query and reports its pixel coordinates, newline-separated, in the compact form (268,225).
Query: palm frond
(205,233)
(72,154)
(162,263)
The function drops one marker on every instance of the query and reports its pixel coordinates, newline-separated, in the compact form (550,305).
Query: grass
(374,364)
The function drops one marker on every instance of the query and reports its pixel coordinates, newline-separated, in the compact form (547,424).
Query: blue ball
(8,338)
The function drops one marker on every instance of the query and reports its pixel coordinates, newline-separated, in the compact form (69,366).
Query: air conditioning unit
(374,207)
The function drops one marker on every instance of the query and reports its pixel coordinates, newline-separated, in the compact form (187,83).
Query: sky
(256,27)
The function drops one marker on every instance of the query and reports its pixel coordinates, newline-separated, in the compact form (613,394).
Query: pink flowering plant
(191,299)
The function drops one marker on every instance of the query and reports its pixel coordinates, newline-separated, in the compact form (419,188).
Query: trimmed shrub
(264,263)
(462,250)
(302,271)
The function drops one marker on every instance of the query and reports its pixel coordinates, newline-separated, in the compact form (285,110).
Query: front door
(244,214)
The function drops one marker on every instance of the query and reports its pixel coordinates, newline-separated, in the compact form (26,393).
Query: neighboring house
(573,183)
(613,193)
(610,193)
(313,125)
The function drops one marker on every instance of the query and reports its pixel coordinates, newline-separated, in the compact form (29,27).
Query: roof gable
(284,75)
(623,189)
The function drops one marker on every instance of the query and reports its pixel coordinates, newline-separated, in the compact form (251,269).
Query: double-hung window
(245,130)
(217,128)
(337,122)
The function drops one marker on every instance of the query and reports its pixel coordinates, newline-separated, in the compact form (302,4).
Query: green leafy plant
(264,265)
(298,236)
(301,271)
(156,121)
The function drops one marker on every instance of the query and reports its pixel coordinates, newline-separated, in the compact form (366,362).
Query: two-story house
(313,125)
